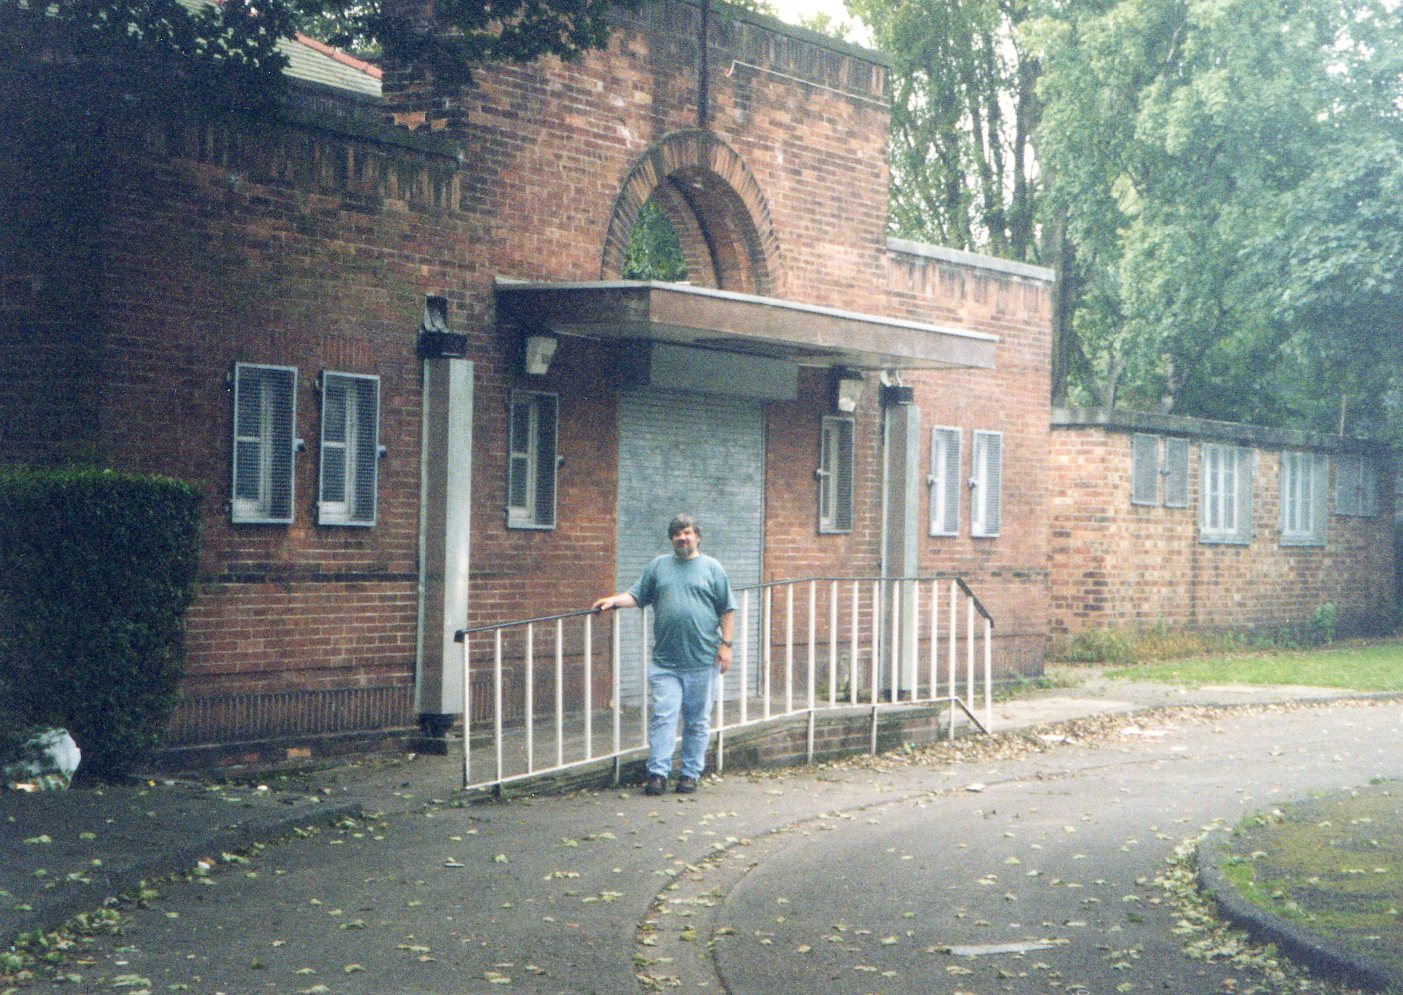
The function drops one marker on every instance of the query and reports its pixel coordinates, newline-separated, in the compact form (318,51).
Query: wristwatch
(725,642)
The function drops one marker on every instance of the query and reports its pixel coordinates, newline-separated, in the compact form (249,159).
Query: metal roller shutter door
(696,453)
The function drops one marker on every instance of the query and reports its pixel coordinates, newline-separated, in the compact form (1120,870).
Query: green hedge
(97,570)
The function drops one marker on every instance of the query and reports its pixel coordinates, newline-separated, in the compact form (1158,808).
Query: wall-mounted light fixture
(537,353)
(847,386)
(436,339)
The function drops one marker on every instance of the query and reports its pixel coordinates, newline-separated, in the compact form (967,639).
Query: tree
(1193,149)
(113,54)
(963,111)
(653,250)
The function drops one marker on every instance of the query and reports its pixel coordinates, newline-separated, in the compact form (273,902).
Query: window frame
(835,480)
(275,502)
(1225,487)
(359,474)
(943,482)
(539,459)
(986,484)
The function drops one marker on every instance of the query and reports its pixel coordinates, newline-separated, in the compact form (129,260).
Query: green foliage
(653,250)
(112,56)
(1323,623)
(97,570)
(963,111)
(1228,172)
(1331,864)
(1356,666)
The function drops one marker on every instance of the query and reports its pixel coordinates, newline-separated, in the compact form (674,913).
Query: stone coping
(1260,436)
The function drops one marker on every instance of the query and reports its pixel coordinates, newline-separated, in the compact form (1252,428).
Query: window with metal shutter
(1144,469)
(1176,473)
(985,509)
(350,449)
(265,418)
(944,481)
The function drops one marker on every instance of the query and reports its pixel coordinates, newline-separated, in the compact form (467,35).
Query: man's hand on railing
(613,601)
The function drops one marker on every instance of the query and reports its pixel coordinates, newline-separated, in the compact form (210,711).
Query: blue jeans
(688,692)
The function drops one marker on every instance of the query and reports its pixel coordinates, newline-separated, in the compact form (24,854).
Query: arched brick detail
(717,208)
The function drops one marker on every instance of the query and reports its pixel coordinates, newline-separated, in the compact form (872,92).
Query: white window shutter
(1176,473)
(1242,471)
(986,502)
(519,455)
(1347,485)
(350,449)
(532,458)
(843,477)
(1320,484)
(547,428)
(1368,489)
(265,420)
(1144,469)
(945,483)
(835,475)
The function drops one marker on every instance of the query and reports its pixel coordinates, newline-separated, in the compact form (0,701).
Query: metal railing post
(467,714)
(497,700)
(833,644)
(954,658)
(894,641)
(969,653)
(988,675)
(934,639)
(560,692)
(854,658)
(589,687)
(647,658)
(813,637)
(744,657)
(720,723)
(616,696)
(767,633)
(530,698)
(788,649)
(876,646)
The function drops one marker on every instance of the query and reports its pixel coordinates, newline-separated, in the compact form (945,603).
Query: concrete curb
(52,911)
(1300,944)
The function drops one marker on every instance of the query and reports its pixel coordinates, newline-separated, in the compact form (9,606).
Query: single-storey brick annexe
(1301,520)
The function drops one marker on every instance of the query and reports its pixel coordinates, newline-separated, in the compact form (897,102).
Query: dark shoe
(657,785)
(686,785)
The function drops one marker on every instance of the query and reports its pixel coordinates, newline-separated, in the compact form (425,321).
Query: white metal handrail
(815,645)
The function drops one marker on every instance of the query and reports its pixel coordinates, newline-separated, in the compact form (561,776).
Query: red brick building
(401,363)
(1209,525)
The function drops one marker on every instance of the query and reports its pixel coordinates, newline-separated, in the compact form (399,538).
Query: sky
(793,10)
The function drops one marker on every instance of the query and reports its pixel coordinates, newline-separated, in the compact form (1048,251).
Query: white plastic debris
(57,761)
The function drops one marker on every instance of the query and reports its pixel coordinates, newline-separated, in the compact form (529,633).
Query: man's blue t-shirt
(688,598)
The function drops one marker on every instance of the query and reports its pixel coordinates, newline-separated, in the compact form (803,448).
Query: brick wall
(305,244)
(1009,573)
(1122,565)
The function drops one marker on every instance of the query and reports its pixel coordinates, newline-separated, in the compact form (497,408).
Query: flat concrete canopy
(699,317)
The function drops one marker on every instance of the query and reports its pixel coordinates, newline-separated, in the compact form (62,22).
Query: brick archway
(715,205)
